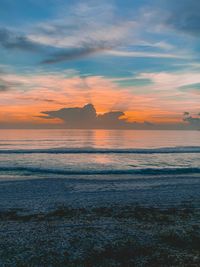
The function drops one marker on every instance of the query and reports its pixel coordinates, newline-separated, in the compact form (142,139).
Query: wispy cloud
(188,18)
(76,53)
(7,85)
(92,27)
(12,40)
(88,28)
(121,53)
(150,96)
(191,88)
(83,22)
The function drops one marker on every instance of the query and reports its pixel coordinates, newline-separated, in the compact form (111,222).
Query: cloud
(4,86)
(40,99)
(76,53)
(191,88)
(181,15)
(73,45)
(144,54)
(172,80)
(87,118)
(75,117)
(7,85)
(151,97)
(193,121)
(83,22)
(85,29)
(11,40)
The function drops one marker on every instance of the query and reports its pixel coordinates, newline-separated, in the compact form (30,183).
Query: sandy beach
(79,221)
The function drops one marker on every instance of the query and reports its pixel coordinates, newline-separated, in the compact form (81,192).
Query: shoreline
(41,192)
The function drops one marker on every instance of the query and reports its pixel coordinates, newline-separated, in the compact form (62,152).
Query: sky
(138,58)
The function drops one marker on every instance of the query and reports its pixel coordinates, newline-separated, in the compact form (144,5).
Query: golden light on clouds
(36,93)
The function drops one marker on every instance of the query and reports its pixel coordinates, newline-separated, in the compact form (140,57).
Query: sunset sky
(141,57)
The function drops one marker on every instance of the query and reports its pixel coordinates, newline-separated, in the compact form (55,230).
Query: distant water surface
(64,152)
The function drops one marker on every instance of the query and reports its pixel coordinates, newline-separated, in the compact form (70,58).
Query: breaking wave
(141,171)
(166,150)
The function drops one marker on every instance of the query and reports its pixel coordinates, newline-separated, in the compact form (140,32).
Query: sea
(39,169)
(97,152)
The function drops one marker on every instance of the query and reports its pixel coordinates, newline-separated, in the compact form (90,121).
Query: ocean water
(56,153)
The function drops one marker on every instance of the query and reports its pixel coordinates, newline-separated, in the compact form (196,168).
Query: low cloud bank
(87,118)
(193,122)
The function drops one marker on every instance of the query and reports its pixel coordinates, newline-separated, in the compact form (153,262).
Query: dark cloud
(76,53)
(11,40)
(87,118)
(193,122)
(7,85)
(182,15)
(3,88)
(191,88)
(42,100)
(14,41)
(56,29)
(75,117)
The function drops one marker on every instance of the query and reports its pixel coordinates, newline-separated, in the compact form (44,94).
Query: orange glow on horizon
(52,92)
(32,114)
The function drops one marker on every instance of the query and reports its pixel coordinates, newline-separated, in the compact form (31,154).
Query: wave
(165,150)
(144,171)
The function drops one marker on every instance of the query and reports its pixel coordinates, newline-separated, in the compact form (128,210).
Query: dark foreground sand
(66,223)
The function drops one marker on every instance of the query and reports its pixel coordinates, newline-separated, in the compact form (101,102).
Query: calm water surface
(32,152)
